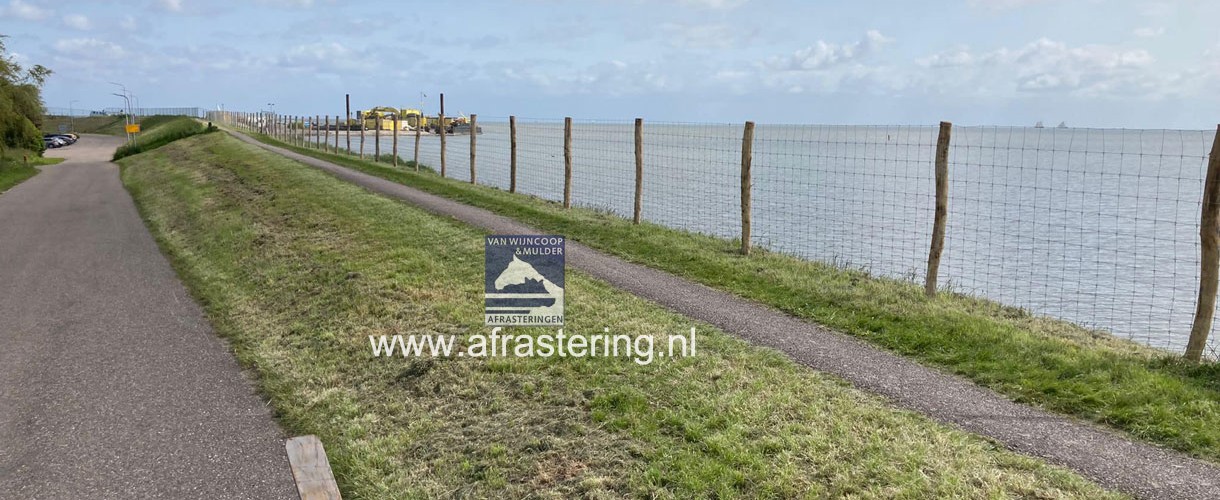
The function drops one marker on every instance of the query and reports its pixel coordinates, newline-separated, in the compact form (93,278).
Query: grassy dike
(297,269)
(1053,364)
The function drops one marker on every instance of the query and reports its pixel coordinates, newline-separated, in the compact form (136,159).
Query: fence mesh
(1096,226)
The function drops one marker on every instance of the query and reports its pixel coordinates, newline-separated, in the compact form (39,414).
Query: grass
(158,131)
(14,170)
(107,125)
(1053,364)
(296,269)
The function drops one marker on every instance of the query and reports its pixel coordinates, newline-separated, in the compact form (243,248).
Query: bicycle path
(112,382)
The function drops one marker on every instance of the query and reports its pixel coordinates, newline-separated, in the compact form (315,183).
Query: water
(1098,227)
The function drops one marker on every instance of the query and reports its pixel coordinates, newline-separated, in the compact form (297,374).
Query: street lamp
(128,102)
(72,114)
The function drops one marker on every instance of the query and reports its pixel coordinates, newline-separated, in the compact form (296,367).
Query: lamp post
(72,114)
(128,104)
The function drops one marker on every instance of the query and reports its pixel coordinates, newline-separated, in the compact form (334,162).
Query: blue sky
(1132,64)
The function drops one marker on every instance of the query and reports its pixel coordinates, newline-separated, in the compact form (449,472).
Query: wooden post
(396,139)
(336,150)
(639,170)
(942,209)
(377,139)
(474,127)
(348,123)
(567,162)
(418,123)
(317,135)
(326,134)
(1209,272)
(747,160)
(360,118)
(441,128)
(512,154)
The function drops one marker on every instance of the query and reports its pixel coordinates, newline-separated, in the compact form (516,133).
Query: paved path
(1104,456)
(112,384)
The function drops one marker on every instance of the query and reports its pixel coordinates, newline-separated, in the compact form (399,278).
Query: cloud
(1045,65)
(76,21)
(22,10)
(713,4)
(703,36)
(93,48)
(1149,32)
(171,5)
(822,54)
(1003,4)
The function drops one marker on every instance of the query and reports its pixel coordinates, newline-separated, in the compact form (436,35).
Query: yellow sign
(133,128)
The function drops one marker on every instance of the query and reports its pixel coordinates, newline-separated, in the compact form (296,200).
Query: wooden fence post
(441,128)
(512,154)
(360,118)
(377,139)
(474,128)
(418,124)
(567,162)
(942,209)
(348,124)
(395,140)
(639,170)
(336,150)
(747,160)
(1209,272)
(326,134)
(317,127)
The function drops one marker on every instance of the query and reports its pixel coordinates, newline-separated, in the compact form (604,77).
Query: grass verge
(158,131)
(14,170)
(1053,364)
(297,269)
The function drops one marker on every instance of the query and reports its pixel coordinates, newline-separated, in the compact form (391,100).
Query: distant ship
(1039,125)
(1062,125)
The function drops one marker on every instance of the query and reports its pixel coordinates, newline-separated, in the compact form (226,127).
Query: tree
(21,109)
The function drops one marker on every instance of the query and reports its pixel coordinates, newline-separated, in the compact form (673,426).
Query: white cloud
(1147,32)
(22,10)
(90,47)
(1046,65)
(702,36)
(76,21)
(822,54)
(171,5)
(714,4)
(128,23)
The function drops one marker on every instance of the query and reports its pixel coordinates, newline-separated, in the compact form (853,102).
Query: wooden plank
(311,469)
(395,147)
(336,150)
(567,162)
(1209,265)
(377,138)
(942,209)
(639,170)
(360,118)
(747,160)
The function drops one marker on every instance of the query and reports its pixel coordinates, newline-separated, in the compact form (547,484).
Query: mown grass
(157,131)
(297,269)
(1053,364)
(107,125)
(14,169)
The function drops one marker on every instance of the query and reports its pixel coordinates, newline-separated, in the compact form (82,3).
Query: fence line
(1105,228)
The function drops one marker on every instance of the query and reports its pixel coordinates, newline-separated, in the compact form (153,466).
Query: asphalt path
(112,383)
(1105,456)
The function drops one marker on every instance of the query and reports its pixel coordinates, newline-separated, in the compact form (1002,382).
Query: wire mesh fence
(1095,226)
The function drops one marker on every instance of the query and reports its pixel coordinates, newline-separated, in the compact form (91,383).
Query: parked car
(68,138)
(52,142)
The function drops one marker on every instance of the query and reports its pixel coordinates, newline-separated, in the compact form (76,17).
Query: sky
(1098,63)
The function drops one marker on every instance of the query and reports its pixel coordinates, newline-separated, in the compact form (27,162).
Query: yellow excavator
(408,118)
